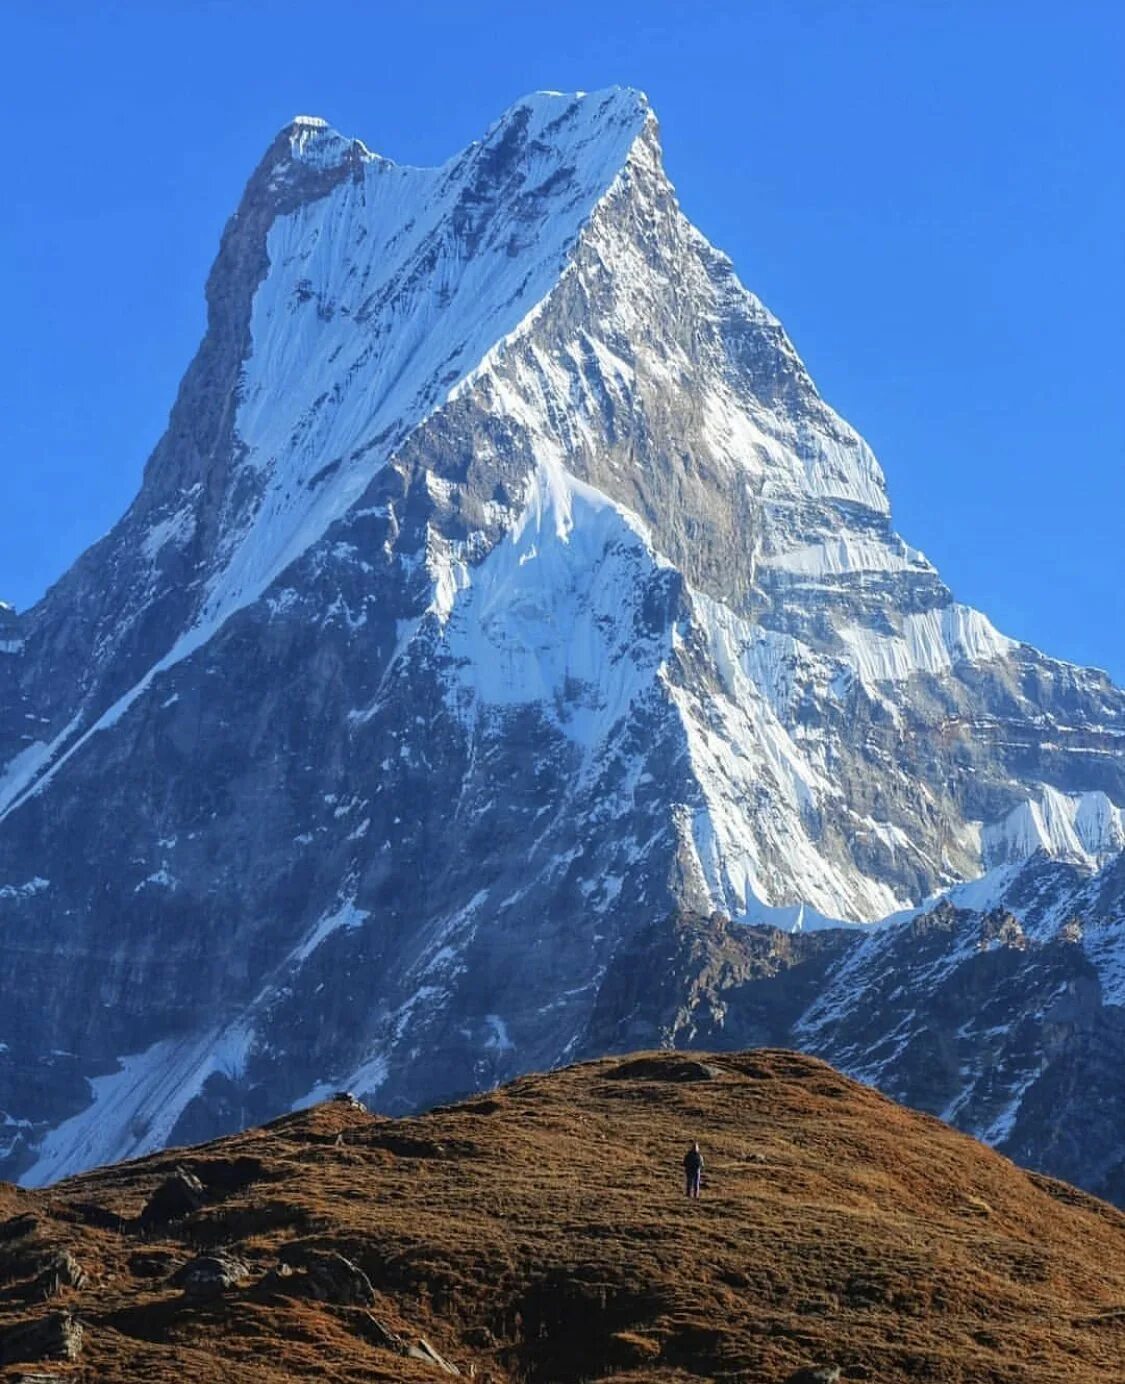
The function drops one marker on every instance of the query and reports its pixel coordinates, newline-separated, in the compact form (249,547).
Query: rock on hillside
(540,1233)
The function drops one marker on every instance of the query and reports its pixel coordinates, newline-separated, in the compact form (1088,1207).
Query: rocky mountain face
(502,588)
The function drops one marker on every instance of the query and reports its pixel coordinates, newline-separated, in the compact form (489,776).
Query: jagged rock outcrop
(176,1197)
(501,587)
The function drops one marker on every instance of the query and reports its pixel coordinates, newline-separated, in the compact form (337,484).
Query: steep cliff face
(501,585)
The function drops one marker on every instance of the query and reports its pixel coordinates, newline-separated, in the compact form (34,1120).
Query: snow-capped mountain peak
(501,583)
(383,295)
(314,142)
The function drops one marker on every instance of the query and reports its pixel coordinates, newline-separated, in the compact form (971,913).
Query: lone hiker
(693,1171)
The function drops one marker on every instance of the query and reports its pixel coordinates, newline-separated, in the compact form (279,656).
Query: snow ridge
(382,298)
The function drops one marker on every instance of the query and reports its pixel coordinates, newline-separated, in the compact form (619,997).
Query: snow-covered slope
(1078,826)
(501,583)
(382,297)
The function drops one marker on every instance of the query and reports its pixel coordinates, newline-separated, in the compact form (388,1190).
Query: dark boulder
(176,1197)
(57,1336)
(208,1275)
(332,1278)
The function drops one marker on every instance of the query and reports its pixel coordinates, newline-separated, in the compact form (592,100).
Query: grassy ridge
(541,1233)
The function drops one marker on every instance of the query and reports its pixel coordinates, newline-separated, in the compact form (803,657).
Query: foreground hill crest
(540,1232)
(501,584)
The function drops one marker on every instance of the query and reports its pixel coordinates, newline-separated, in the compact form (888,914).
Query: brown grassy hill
(540,1233)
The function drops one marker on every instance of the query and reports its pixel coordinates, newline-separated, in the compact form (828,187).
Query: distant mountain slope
(1000,1008)
(541,1233)
(501,584)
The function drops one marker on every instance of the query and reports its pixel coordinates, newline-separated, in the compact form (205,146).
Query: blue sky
(930,195)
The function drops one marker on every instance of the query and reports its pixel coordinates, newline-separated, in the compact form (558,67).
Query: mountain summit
(500,585)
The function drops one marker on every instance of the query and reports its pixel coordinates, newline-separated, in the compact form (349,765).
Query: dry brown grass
(540,1233)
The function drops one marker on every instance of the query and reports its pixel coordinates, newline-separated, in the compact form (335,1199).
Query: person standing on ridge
(693,1171)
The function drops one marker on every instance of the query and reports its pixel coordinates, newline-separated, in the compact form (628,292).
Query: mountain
(501,589)
(541,1233)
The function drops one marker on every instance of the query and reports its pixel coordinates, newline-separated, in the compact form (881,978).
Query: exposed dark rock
(57,1336)
(329,1277)
(222,1176)
(61,1271)
(176,1197)
(332,1278)
(37,1272)
(208,1275)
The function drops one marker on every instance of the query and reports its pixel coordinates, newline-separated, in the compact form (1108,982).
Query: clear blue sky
(930,195)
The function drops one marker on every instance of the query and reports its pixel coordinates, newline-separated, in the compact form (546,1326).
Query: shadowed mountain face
(501,587)
(542,1233)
